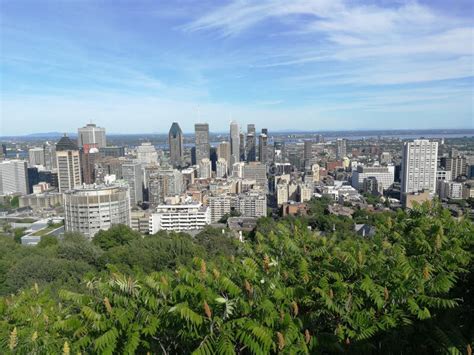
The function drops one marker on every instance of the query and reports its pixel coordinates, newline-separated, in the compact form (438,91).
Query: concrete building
(468,190)
(315,169)
(205,169)
(180,218)
(222,168)
(456,164)
(133,176)
(147,154)
(13,177)
(341,150)
(252,204)
(305,192)
(256,171)
(90,208)
(223,152)
(419,166)
(69,164)
(112,151)
(36,156)
(450,189)
(385,176)
(50,161)
(140,221)
(42,200)
(234,143)
(175,140)
(282,193)
(92,135)
(221,205)
(263,147)
(201,138)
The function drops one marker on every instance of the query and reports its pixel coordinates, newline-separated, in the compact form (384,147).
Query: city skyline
(320,65)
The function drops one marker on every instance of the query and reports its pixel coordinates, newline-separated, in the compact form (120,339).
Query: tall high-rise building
(222,168)
(91,134)
(279,152)
(234,143)
(201,138)
(456,164)
(251,144)
(223,151)
(175,139)
(147,154)
(205,171)
(242,146)
(419,166)
(256,171)
(89,208)
(13,177)
(36,156)
(263,146)
(341,151)
(68,163)
(50,162)
(89,155)
(132,174)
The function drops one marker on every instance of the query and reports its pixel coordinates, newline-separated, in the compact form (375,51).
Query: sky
(137,66)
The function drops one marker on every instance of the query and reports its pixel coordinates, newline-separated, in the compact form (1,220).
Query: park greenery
(304,284)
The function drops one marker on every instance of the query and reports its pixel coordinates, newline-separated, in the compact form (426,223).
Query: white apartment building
(419,166)
(385,176)
(90,208)
(221,168)
(13,177)
(450,189)
(252,204)
(221,205)
(147,154)
(205,168)
(180,218)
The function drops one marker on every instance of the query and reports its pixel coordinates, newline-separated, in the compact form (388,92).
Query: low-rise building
(179,218)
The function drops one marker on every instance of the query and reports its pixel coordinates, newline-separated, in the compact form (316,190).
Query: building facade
(91,134)
(90,208)
(69,164)
(14,177)
(175,140)
(201,139)
(179,218)
(419,166)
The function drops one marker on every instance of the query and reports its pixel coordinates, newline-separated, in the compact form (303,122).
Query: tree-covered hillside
(287,289)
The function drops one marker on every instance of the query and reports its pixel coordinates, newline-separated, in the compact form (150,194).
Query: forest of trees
(286,289)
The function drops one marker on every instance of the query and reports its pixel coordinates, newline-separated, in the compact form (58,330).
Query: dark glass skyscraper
(251,144)
(175,139)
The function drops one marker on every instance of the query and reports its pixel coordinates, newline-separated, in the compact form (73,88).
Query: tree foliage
(287,290)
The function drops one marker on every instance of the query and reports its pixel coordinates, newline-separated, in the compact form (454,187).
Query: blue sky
(136,66)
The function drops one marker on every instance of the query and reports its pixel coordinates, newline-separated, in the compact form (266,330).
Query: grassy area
(48,229)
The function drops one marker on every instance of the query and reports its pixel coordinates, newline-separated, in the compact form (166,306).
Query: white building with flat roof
(13,177)
(419,166)
(91,208)
(180,218)
(385,176)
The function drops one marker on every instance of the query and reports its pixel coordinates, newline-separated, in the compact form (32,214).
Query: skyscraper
(222,168)
(242,146)
(132,174)
(36,156)
(175,138)
(234,143)
(13,177)
(263,146)
(68,163)
(251,144)
(91,134)
(205,171)
(89,155)
(147,154)
(201,138)
(419,166)
(341,148)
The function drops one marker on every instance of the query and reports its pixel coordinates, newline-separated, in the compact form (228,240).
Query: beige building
(69,164)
